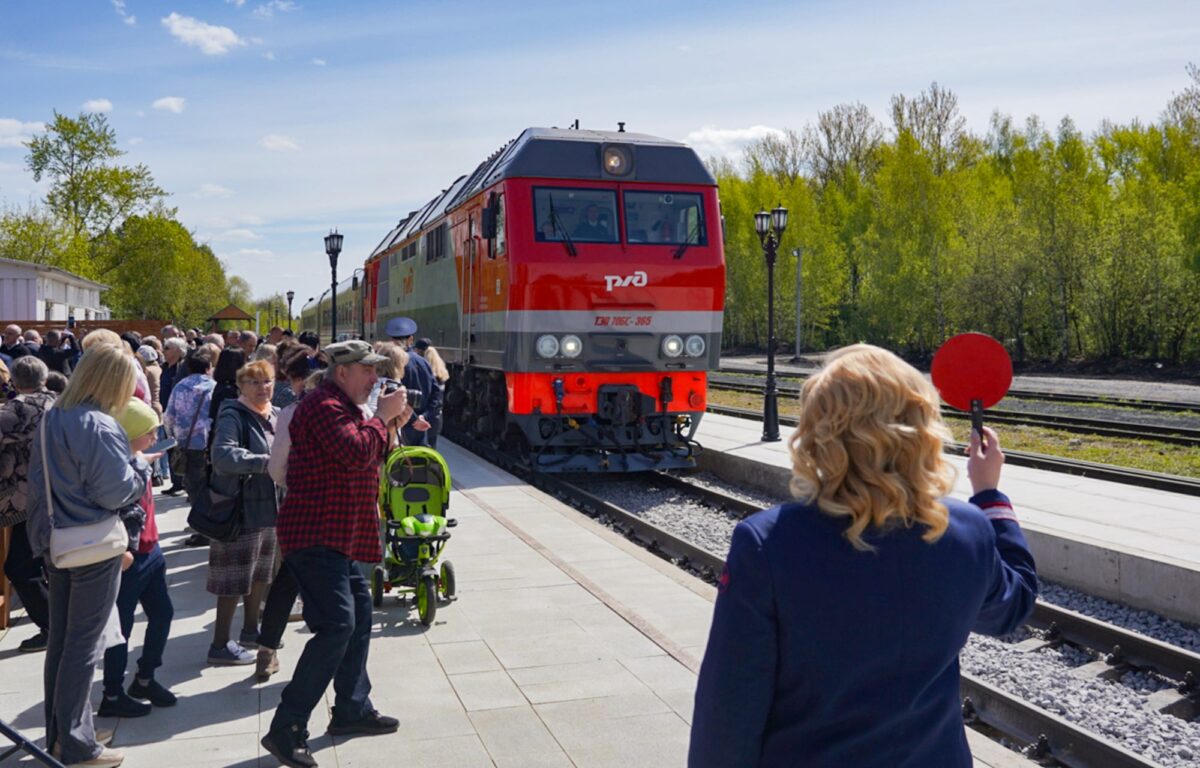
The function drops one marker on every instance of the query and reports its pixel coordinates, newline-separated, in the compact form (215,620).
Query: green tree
(88,191)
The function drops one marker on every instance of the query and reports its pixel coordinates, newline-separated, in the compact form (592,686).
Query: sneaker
(371,723)
(266,664)
(122,705)
(248,639)
(156,481)
(196,540)
(153,691)
(174,490)
(290,747)
(33,644)
(232,655)
(108,758)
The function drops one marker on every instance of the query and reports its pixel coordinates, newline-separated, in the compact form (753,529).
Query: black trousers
(28,577)
(278,608)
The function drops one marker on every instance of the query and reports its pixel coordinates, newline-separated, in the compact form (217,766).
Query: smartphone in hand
(162,446)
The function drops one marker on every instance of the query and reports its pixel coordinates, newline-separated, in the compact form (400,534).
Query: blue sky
(271,121)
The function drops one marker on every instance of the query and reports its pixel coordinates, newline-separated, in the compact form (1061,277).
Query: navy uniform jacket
(823,655)
(418,375)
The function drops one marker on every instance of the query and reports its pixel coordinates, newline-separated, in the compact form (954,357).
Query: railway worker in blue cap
(417,376)
(840,616)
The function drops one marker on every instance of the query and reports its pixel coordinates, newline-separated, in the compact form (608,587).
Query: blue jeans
(143,582)
(337,608)
(162,467)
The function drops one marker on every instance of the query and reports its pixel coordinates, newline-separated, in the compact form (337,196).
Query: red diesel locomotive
(575,284)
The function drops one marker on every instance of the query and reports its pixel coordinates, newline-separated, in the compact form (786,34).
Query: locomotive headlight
(617,159)
(571,345)
(694,346)
(672,346)
(547,346)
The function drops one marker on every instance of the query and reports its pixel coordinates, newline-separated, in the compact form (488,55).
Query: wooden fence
(141,327)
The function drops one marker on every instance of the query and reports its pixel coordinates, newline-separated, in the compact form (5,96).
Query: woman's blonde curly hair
(869,445)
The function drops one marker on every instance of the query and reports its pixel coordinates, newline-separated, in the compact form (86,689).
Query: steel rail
(1024,394)
(1188,486)
(1076,424)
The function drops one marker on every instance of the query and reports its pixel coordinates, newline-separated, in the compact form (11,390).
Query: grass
(1148,455)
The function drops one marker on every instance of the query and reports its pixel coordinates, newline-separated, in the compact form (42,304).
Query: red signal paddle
(972,371)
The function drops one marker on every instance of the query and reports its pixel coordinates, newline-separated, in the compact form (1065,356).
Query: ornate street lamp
(770,227)
(333,246)
(290,295)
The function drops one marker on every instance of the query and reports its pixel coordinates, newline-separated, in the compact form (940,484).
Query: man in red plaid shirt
(329,523)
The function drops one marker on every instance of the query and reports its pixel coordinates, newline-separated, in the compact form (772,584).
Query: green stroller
(414,492)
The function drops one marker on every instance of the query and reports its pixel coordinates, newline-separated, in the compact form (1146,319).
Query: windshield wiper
(691,236)
(558,227)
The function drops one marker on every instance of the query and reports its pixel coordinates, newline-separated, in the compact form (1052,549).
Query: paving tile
(567,713)
(566,682)
(240,750)
(402,749)
(648,740)
(487,690)
(661,673)
(473,656)
(512,732)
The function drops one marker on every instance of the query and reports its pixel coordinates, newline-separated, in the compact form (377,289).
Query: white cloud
(319,62)
(685,48)
(212,190)
(259,253)
(267,10)
(209,38)
(279,143)
(174,104)
(129,19)
(238,235)
(269,56)
(238,3)
(133,142)
(14,133)
(727,142)
(141,113)
(97,105)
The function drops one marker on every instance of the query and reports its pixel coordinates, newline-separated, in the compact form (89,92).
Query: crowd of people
(296,432)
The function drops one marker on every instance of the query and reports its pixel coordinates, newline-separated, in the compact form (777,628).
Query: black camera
(388,386)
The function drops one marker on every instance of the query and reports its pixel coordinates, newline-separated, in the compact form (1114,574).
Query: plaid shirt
(333,477)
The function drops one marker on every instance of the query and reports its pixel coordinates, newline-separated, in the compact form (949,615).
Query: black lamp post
(769,227)
(333,246)
(290,295)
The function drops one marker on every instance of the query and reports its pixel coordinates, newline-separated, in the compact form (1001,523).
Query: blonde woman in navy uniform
(840,617)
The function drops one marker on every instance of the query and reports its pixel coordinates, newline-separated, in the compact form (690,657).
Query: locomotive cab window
(670,218)
(575,215)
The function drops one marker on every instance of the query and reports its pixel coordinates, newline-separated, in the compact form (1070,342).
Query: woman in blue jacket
(840,617)
(92,476)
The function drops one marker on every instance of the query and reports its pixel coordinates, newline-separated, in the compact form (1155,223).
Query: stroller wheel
(427,599)
(447,580)
(377,586)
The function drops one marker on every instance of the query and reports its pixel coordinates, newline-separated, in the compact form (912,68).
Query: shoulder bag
(179,453)
(215,514)
(80,545)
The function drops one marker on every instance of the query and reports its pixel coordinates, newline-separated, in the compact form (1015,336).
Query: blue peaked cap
(401,327)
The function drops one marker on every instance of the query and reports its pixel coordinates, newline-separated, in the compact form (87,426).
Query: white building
(32,292)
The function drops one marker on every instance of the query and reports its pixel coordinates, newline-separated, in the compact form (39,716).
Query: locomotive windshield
(579,215)
(674,218)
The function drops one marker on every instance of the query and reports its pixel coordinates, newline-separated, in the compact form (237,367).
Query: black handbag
(215,514)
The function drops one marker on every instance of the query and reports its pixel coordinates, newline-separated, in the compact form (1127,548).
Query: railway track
(1075,424)
(1045,737)
(1174,483)
(734,375)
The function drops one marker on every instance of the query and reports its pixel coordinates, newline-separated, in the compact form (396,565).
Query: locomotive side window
(670,218)
(579,215)
(500,225)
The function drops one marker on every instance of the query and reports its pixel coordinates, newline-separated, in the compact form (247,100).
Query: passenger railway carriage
(574,282)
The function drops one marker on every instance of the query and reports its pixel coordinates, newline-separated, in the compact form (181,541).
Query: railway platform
(1097,386)
(567,646)
(1133,545)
